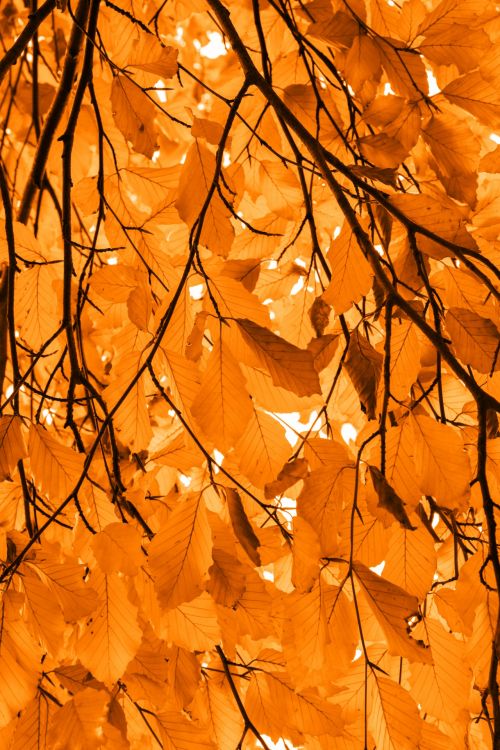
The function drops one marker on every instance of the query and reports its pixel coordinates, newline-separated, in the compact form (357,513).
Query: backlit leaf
(241,525)
(180,555)
(351,273)
(80,721)
(56,467)
(475,339)
(12,447)
(134,114)
(364,366)
(442,465)
(290,367)
(111,636)
(392,606)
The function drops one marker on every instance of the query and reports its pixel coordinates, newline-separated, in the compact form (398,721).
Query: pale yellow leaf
(392,606)
(227,578)
(183,675)
(306,554)
(181,553)
(442,464)
(181,324)
(342,627)
(36,308)
(362,62)
(400,465)
(147,673)
(448,43)
(289,367)
(410,561)
(262,448)
(443,686)
(394,720)
(225,717)
(66,581)
(210,130)
(182,381)
(131,418)
(134,114)
(479,646)
(31,727)
(388,501)
(20,663)
(114,283)
(440,215)
(199,171)
(118,548)
(193,625)
(351,273)
(364,367)
(363,536)
(405,357)
(223,406)
(476,95)
(281,189)
(326,494)
(140,306)
(97,506)
(56,468)
(150,55)
(405,70)
(306,618)
(44,612)
(273,702)
(12,447)
(78,724)
(475,339)
(110,637)
(180,733)
(455,149)
(233,300)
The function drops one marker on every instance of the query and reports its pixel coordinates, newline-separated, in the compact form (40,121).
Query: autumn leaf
(388,499)
(222,406)
(199,168)
(249,388)
(181,554)
(289,367)
(150,55)
(80,720)
(476,339)
(442,465)
(394,719)
(241,525)
(110,637)
(20,659)
(56,467)
(364,366)
(12,447)
(392,606)
(351,276)
(134,114)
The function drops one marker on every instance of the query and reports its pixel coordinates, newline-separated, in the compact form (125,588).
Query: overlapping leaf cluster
(249,355)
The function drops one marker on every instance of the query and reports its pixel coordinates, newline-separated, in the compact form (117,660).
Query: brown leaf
(134,115)
(364,366)
(241,525)
(388,499)
(290,367)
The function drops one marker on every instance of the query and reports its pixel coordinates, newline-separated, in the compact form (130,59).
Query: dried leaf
(241,525)
(134,115)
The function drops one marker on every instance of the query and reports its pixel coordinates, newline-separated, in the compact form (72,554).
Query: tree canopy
(249,374)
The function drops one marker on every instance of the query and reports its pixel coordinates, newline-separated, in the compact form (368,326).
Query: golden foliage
(249,375)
